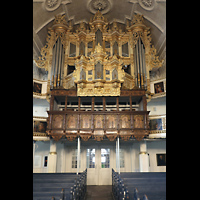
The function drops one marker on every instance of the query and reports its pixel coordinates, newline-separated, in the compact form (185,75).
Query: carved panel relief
(138,121)
(98,121)
(57,121)
(111,121)
(125,121)
(71,121)
(85,121)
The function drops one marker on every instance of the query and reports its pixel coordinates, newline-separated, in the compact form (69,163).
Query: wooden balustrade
(99,124)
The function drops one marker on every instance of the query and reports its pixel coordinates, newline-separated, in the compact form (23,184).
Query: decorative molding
(51,5)
(57,137)
(85,137)
(157,131)
(71,137)
(98,137)
(102,5)
(111,137)
(143,152)
(52,153)
(39,134)
(125,137)
(140,134)
(147,4)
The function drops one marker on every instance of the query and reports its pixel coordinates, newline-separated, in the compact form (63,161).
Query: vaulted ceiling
(154,12)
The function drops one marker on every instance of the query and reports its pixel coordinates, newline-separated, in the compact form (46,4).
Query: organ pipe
(145,69)
(62,64)
(135,65)
(137,60)
(140,61)
(140,65)
(52,68)
(57,64)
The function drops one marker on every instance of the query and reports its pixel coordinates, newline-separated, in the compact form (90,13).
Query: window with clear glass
(74,159)
(90,158)
(105,158)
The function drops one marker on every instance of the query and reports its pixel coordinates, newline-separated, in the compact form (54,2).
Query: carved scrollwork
(140,134)
(98,137)
(154,62)
(57,137)
(71,137)
(85,137)
(111,137)
(125,137)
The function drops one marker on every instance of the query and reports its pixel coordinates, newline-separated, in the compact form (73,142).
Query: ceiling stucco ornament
(51,5)
(147,4)
(102,5)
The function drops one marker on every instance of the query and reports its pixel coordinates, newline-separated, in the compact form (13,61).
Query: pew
(152,185)
(59,186)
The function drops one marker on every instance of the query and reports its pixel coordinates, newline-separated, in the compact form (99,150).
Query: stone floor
(99,192)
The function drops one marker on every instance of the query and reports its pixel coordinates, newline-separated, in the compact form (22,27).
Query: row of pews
(139,185)
(59,186)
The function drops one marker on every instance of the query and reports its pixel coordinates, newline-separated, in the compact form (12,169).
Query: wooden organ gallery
(98,79)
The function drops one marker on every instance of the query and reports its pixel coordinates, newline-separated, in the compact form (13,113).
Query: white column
(143,157)
(117,156)
(78,155)
(33,150)
(52,158)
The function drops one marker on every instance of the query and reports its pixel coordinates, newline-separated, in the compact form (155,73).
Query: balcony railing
(98,125)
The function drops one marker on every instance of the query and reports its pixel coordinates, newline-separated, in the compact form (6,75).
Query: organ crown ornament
(98,22)
(137,19)
(60,19)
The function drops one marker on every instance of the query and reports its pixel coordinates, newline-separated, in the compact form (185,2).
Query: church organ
(98,78)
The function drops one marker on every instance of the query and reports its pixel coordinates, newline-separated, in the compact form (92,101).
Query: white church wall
(157,106)
(153,148)
(41,150)
(60,167)
(131,156)
(40,111)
